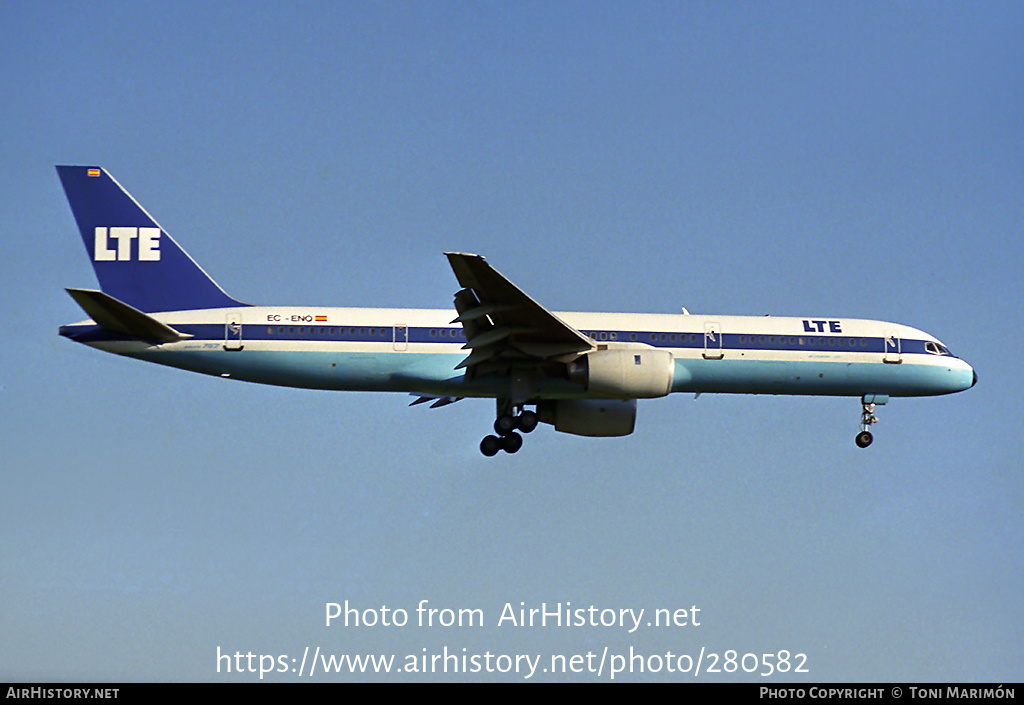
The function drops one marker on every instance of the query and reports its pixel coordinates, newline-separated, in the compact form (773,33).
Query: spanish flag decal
(93,172)
(321,319)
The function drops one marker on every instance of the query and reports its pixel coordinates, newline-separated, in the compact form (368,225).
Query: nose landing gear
(868,418)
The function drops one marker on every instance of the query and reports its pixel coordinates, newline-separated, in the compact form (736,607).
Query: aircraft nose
(962,375)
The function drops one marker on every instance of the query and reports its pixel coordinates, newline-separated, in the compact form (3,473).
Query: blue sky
(837,159)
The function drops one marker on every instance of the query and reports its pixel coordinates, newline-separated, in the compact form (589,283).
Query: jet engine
(624,373)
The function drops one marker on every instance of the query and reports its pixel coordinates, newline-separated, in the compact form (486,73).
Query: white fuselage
(419,350)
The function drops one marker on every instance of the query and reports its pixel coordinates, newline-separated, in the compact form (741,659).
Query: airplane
(580,372)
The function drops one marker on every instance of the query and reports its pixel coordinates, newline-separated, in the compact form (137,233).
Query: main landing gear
(506,426)
(868,418)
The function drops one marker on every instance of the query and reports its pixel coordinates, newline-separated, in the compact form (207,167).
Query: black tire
(527,421)
(512,442)
(504,425)
(490,446)
(864,439)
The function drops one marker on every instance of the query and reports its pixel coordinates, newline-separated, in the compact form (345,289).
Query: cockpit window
(936,348)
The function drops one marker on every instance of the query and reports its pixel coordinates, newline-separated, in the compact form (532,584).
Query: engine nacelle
(590,417)
(625,373)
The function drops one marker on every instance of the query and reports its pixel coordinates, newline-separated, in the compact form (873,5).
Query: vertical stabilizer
(135,260)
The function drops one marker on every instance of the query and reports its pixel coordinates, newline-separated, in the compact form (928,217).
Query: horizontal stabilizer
(119,317)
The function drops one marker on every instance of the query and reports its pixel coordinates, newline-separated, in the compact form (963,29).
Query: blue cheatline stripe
(731,342)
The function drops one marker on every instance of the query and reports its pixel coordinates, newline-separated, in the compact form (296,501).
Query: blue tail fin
(136,262)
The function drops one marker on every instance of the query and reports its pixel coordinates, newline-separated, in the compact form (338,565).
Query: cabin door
(233,332)
(893,347)
(713,341)
(401,337)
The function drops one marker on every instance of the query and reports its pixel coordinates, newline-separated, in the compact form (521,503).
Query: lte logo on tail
(148,249)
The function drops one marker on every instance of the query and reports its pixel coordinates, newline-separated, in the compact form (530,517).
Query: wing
(504,327)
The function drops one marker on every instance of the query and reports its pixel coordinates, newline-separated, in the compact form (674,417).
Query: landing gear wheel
(867,419)
(490,446)
(527,421)
(512,442)
(505,424)
(511,418)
